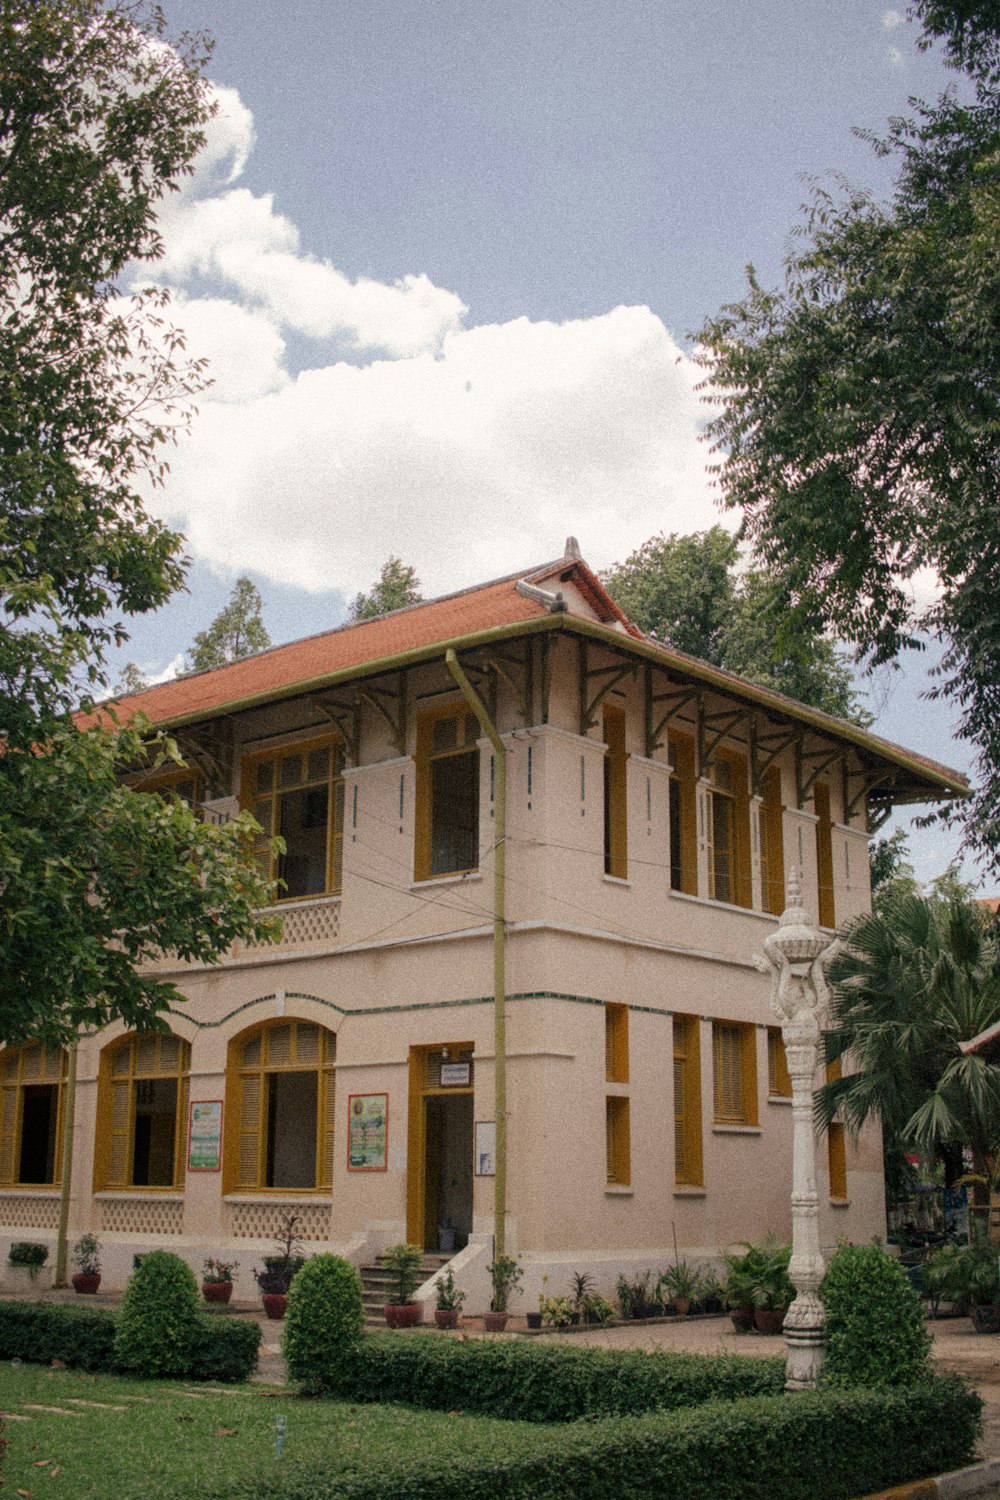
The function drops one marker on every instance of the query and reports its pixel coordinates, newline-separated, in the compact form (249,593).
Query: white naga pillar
(797,957)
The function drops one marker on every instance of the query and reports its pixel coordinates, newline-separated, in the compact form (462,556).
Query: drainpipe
(66,1183)
(474,701)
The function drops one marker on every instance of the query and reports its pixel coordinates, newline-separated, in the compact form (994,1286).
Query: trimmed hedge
(223,1349)
(533,1382)
(325,1318)
(39,1332)
(822,1445)
(158,1323)
(876,1329)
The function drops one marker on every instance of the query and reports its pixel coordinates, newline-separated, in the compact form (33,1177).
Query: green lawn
(163,1441)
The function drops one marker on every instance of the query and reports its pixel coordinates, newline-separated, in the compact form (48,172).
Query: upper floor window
(688,1168)
(735,1057)
(683,816)
(447,812)
(772,843)
(824,855)
(280,1108)
(728,813)
(616,1043)
(615,794)
(32,1081)
(142,1091)
(297,794)
(779,1082)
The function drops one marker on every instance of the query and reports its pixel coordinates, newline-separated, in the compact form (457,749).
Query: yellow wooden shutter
(327,1116)
(8,1134)
(248,1174)
(180,1153)
(118,1132)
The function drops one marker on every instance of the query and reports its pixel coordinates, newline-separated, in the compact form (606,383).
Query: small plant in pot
(403,1262)
(217,1279)
(449,1300)
(597,1309)
(280,1269)
(87,1260)
(557,1312)
(972,1277)
(681,1284)
(582,1285)
(506,1275)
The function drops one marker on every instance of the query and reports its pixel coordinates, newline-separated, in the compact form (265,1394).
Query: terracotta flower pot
(446,1317)
(86,1283)
(405,1315)
(769,1319)
(217,1291)
(275,1304)
(742,1319)
(495,1322)
(682,1306)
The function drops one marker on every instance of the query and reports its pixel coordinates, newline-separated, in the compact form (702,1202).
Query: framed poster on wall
(205,1135)
(367,1132)
(486,1148)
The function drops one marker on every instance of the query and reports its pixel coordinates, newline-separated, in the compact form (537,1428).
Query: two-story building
(654,806)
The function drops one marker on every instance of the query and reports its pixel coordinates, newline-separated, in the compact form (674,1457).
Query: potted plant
(403,1261)
(972,1278)
(634,1297)
(279,1270)
(26,1258)
(87,1259)
(557,1312)
(449,1300)
(711,1296)
(597,1309)
(681,1284)
(217,1279)
(773,1289)
(582,1285)
(506,1275)
(738,1290)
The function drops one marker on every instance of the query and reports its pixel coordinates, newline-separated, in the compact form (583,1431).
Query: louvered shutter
(118,1133)
(327,1115)
(8,1133)
(248,1161)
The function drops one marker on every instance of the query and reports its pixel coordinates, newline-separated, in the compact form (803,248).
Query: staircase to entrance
(377,1279)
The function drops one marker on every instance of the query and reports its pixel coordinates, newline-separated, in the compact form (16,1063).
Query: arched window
(32,1082)
(142,1112)
(280,1108)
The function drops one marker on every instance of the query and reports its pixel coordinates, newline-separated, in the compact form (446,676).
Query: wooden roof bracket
(347,717)
(392,706)
(764,753)
(677,701)
(483,674)
(720,725)
(614,675)
(212,755)
(857,803)
(820,761)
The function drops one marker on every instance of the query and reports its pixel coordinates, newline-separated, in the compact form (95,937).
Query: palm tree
(917,978)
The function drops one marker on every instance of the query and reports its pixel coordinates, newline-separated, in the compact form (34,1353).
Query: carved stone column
(797,957)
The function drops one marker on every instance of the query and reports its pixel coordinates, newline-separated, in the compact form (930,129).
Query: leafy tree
(889,865)
(685,590)
(858,420)
(396,587)
(238,630)
(130,679)
(917,977)
(99,877)
(99,117)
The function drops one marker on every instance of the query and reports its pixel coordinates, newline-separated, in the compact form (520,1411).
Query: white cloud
(896,58)
(173,669)
(467,450)
(892,19)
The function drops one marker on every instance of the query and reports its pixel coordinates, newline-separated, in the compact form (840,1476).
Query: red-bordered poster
(367,1132)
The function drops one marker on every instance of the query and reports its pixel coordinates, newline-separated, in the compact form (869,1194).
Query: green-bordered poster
(205,1136)
(367,1132)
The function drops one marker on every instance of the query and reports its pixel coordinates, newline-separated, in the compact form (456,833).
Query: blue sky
(447,258)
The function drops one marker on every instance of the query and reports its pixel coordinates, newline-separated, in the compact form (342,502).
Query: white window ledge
(840,1202)
(736,1130)
(616,1190)
(689,1190)
(438,880)
(779,1099)
(138,1195)
(287,1195)
(617,880)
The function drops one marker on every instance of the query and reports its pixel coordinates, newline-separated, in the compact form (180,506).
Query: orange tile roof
(318,656)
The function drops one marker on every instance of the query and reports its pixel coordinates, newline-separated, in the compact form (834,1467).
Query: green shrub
(820,1445)
(222,1348)
(28,1253)
(158,1324)
(38,1333)
(535,1382)
(876,1331)
(325,1317)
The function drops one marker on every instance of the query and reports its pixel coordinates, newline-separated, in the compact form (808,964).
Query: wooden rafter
(345,713)
(809,766)
(764,751)
(211,754)
(676,700)
(611,676)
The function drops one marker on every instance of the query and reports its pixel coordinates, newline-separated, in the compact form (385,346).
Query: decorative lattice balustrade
(29,1210)
(263,1219)
(304,924)
(137,1214)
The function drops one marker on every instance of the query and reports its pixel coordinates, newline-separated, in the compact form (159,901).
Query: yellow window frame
(688,1151)
(467,733)
(124,1064)
(265,804)
(21,1068)
(283,1044)
(734,1055)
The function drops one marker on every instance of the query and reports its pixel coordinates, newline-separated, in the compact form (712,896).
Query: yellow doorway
(440,1146)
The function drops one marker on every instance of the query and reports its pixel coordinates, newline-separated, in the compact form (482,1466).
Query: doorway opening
(439,1207)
